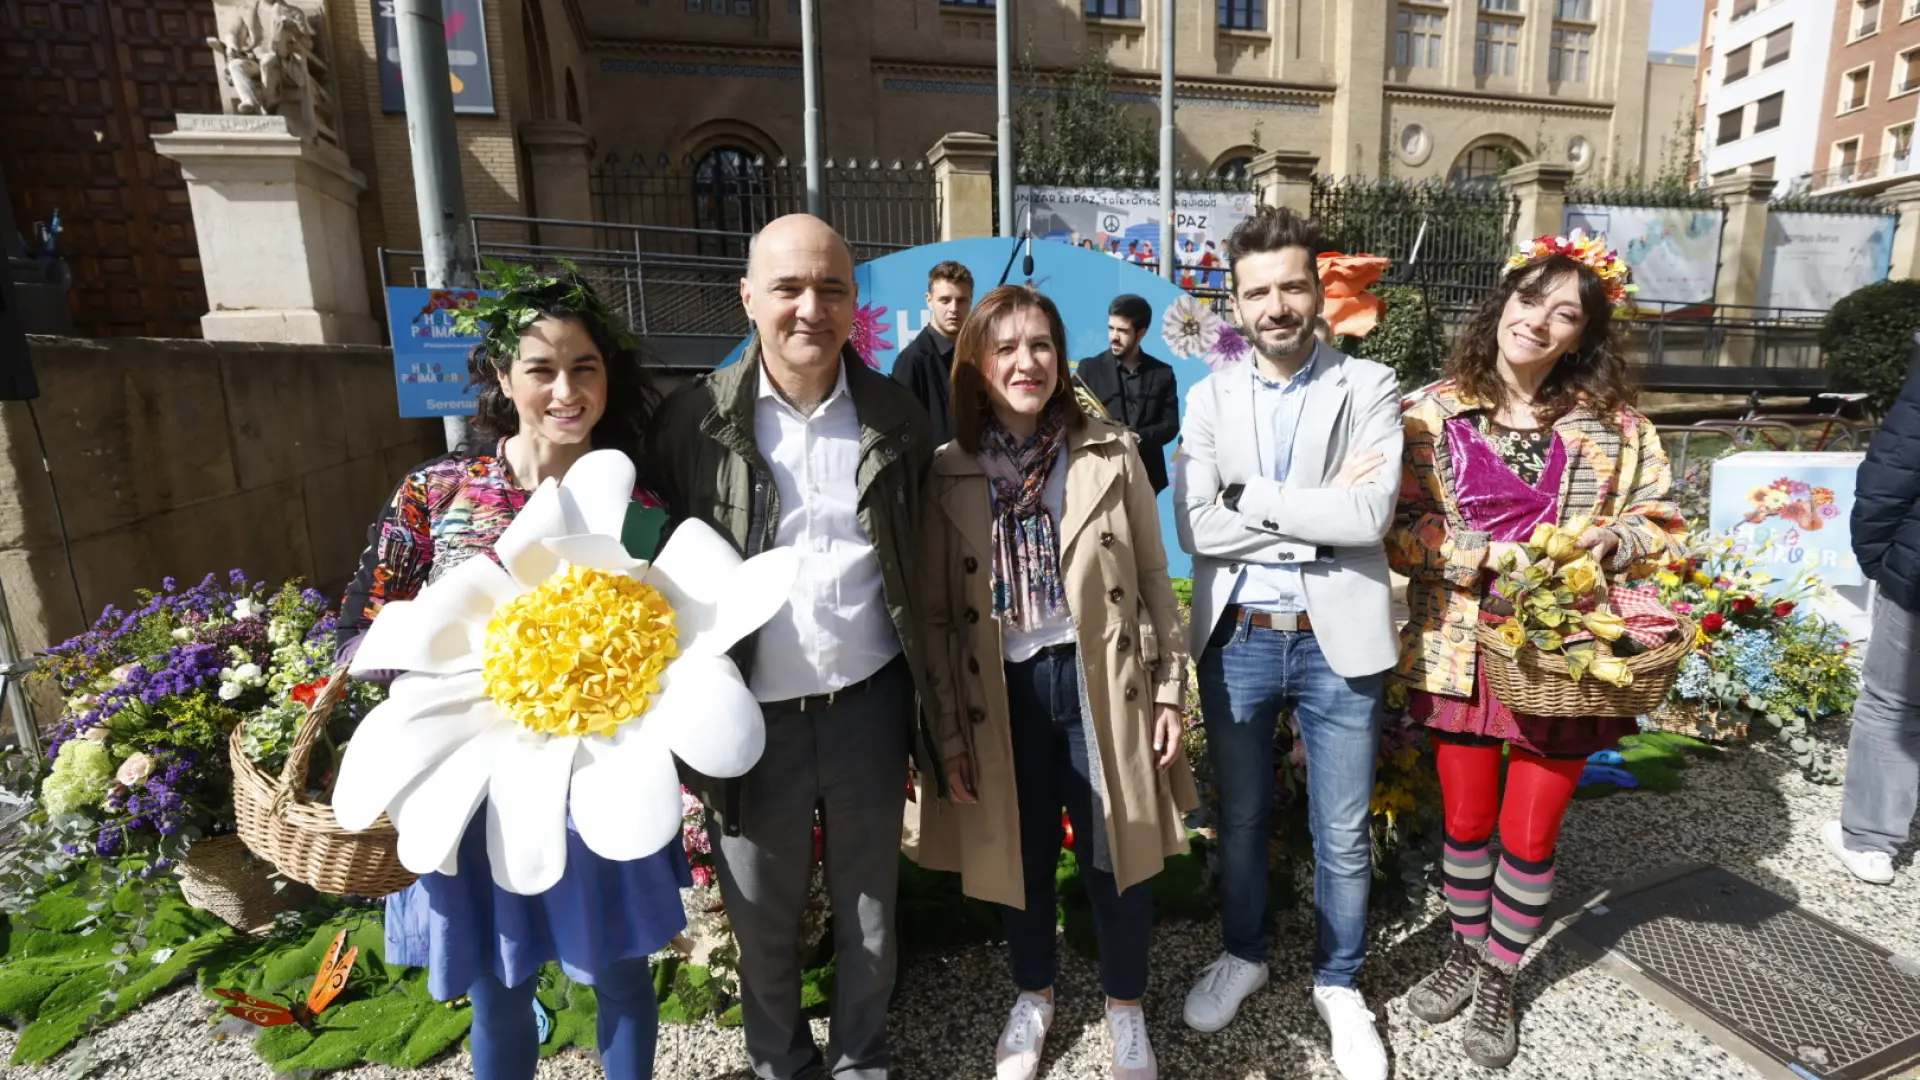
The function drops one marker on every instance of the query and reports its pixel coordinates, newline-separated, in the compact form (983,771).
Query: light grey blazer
(1334,534)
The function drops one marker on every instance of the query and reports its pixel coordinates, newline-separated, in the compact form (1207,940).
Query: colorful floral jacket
(1617,475)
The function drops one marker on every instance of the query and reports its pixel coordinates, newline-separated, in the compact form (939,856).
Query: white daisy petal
(595,551)
(706,715)
(434,811)
(527,812)
(443,629)
(600,485)
(626,796)
(402,738)
(545,517)
(717,599)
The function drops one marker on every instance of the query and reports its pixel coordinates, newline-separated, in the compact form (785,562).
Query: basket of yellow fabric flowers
(1570,645)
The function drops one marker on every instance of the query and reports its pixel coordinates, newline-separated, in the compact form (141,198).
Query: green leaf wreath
(526,293)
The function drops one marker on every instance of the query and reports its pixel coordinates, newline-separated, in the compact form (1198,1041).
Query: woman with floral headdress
(1533,422)
(557,377)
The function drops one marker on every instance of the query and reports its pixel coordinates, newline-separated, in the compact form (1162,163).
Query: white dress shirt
(834,630)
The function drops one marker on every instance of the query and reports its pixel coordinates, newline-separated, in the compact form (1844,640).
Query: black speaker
(16,367)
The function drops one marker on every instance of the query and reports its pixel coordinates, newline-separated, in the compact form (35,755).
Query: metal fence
(1453,237)
(728,194)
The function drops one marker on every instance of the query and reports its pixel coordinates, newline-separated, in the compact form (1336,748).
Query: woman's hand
(1166,735)
(960,778)
(1602,542)
(1359,468)
(1498,551)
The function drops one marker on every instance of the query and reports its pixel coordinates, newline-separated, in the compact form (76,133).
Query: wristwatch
(1230,498)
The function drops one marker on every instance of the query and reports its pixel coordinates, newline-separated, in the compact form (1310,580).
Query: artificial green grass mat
(56,965)
(1655,758)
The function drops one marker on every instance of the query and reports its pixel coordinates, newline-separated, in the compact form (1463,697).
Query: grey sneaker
(1491,1039)
(1440,996)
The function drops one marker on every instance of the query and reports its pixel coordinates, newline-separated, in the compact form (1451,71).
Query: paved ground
(1749,811)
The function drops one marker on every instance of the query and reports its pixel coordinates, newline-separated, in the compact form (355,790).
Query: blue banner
(429,359)
(1081,281)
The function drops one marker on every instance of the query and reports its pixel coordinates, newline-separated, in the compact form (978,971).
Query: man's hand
(1359,468)
(960,778)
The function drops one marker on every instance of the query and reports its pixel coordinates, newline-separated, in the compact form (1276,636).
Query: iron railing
(1454,238)
(1881,167)
(728,192)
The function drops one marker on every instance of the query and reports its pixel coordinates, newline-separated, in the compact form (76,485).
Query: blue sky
(1675,23)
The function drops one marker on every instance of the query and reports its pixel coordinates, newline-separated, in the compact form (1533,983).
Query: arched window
(1483,164)
(731,191)
(573,99)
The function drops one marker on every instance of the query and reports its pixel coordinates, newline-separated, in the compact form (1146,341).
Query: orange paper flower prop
(1344,280)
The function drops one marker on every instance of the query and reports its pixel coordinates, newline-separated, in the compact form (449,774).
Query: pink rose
(135,770)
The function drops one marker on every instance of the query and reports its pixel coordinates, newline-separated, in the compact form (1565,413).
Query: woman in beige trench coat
(1052,623)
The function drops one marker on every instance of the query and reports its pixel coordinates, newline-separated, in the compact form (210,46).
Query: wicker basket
(222,877)
(303,838)
(1534,682)
(1692,718)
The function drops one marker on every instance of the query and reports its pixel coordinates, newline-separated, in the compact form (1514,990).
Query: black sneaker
(1440,996)
(1491,1039)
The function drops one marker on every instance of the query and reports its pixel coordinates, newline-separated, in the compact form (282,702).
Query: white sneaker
(1873,867)
(1018,1055)
(1215,999)
(1357,1052)
(1132,1053)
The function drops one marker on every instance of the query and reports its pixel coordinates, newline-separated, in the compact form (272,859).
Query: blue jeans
(1249,677)
(506,1040)
(1050,772)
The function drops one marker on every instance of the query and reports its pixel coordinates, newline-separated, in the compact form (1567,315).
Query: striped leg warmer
(1521,890)
(1467,877)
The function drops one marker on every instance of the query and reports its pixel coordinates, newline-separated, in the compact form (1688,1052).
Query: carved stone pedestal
(278,230)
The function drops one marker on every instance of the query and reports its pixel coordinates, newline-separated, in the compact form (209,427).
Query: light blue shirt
(1275,587)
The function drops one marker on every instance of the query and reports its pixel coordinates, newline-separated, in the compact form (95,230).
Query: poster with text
(1124,223)
(429,358)
(466,34)
(1791,511)
(1674,250)
(1812,260)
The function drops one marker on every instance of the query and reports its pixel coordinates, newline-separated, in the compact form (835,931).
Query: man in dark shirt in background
(1134,388)
(926,364)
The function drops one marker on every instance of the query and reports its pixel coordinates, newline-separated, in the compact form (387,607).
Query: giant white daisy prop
(567,681)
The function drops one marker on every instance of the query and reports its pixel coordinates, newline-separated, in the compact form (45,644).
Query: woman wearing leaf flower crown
(544,681)
(1533,424)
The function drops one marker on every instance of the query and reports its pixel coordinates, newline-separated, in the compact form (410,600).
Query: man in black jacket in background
(1134,388)
(926,365)
(1883,754)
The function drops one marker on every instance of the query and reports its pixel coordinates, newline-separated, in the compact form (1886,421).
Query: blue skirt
(601,912)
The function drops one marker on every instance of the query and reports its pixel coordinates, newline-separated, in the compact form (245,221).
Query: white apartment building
(1763,79)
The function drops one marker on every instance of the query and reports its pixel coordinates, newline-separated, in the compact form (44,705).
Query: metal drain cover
(1820,1000)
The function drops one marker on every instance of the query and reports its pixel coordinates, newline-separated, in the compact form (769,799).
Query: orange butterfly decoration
(327,984)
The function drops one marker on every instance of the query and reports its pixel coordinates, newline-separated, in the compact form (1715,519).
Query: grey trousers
(1883,754)
(850,757)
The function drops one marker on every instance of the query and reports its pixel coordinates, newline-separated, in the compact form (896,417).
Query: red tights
(1538,790)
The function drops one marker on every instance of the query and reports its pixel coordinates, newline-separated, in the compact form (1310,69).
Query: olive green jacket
(703,462)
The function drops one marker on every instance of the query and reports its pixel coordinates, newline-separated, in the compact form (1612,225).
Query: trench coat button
(1132,692)
(973,665)
(1125,643)
(973,615)
(1118,594)
(970,565)
(1271,527)
(1106,539)
(1286,556)
(977,715)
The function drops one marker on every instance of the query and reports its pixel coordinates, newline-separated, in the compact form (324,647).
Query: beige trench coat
(1131,650)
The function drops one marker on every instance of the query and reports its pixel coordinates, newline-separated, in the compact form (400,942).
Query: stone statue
(271,61)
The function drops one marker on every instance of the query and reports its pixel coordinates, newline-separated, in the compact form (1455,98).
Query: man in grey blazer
(1286,480)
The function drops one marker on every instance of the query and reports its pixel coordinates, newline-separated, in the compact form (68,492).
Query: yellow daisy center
(580,655)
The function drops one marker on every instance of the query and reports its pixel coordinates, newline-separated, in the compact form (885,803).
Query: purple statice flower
(111,840)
